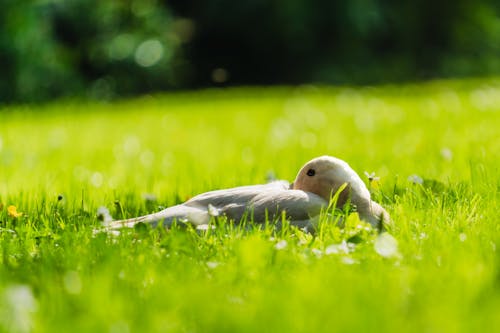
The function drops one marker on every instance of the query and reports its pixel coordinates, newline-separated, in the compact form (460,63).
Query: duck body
(301,202)
(256,203)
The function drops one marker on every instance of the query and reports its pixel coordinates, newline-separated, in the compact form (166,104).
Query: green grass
(137,156)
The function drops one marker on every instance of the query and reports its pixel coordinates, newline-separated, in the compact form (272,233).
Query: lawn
(434,146)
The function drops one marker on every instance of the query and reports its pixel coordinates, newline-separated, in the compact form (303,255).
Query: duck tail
(166,217)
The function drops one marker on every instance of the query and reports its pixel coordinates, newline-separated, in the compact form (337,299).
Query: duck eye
(311,172)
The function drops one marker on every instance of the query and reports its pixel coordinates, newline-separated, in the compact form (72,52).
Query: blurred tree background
(103,49)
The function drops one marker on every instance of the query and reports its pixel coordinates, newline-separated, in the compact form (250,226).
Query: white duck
(303,200)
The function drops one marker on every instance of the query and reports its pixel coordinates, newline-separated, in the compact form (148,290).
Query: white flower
(415,179)
(281,245)
(446,154)
(386,245)
(371,176)
(114,233)
(104,216)
(317,252)
(337,248)
(349,261)
(205,227)
(212,264)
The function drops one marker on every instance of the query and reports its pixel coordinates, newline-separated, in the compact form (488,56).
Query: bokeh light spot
(149,53)
(131,145)
(147,158)
(121,47)
(220,75)
(96,179)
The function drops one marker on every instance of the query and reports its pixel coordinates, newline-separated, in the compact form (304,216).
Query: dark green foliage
(90,47)
(355,41)
(102,49)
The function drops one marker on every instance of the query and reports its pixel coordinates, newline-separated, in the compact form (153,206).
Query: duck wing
(296,205)
(259,203)
(198,210)
(241,195)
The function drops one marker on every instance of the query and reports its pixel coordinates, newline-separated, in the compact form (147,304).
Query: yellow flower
(12,212)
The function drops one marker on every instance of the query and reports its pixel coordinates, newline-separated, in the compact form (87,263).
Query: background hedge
(103,49)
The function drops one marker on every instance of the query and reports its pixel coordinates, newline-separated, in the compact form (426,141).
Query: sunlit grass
(434,147)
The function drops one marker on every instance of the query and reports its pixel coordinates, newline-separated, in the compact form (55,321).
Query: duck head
(325,175)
